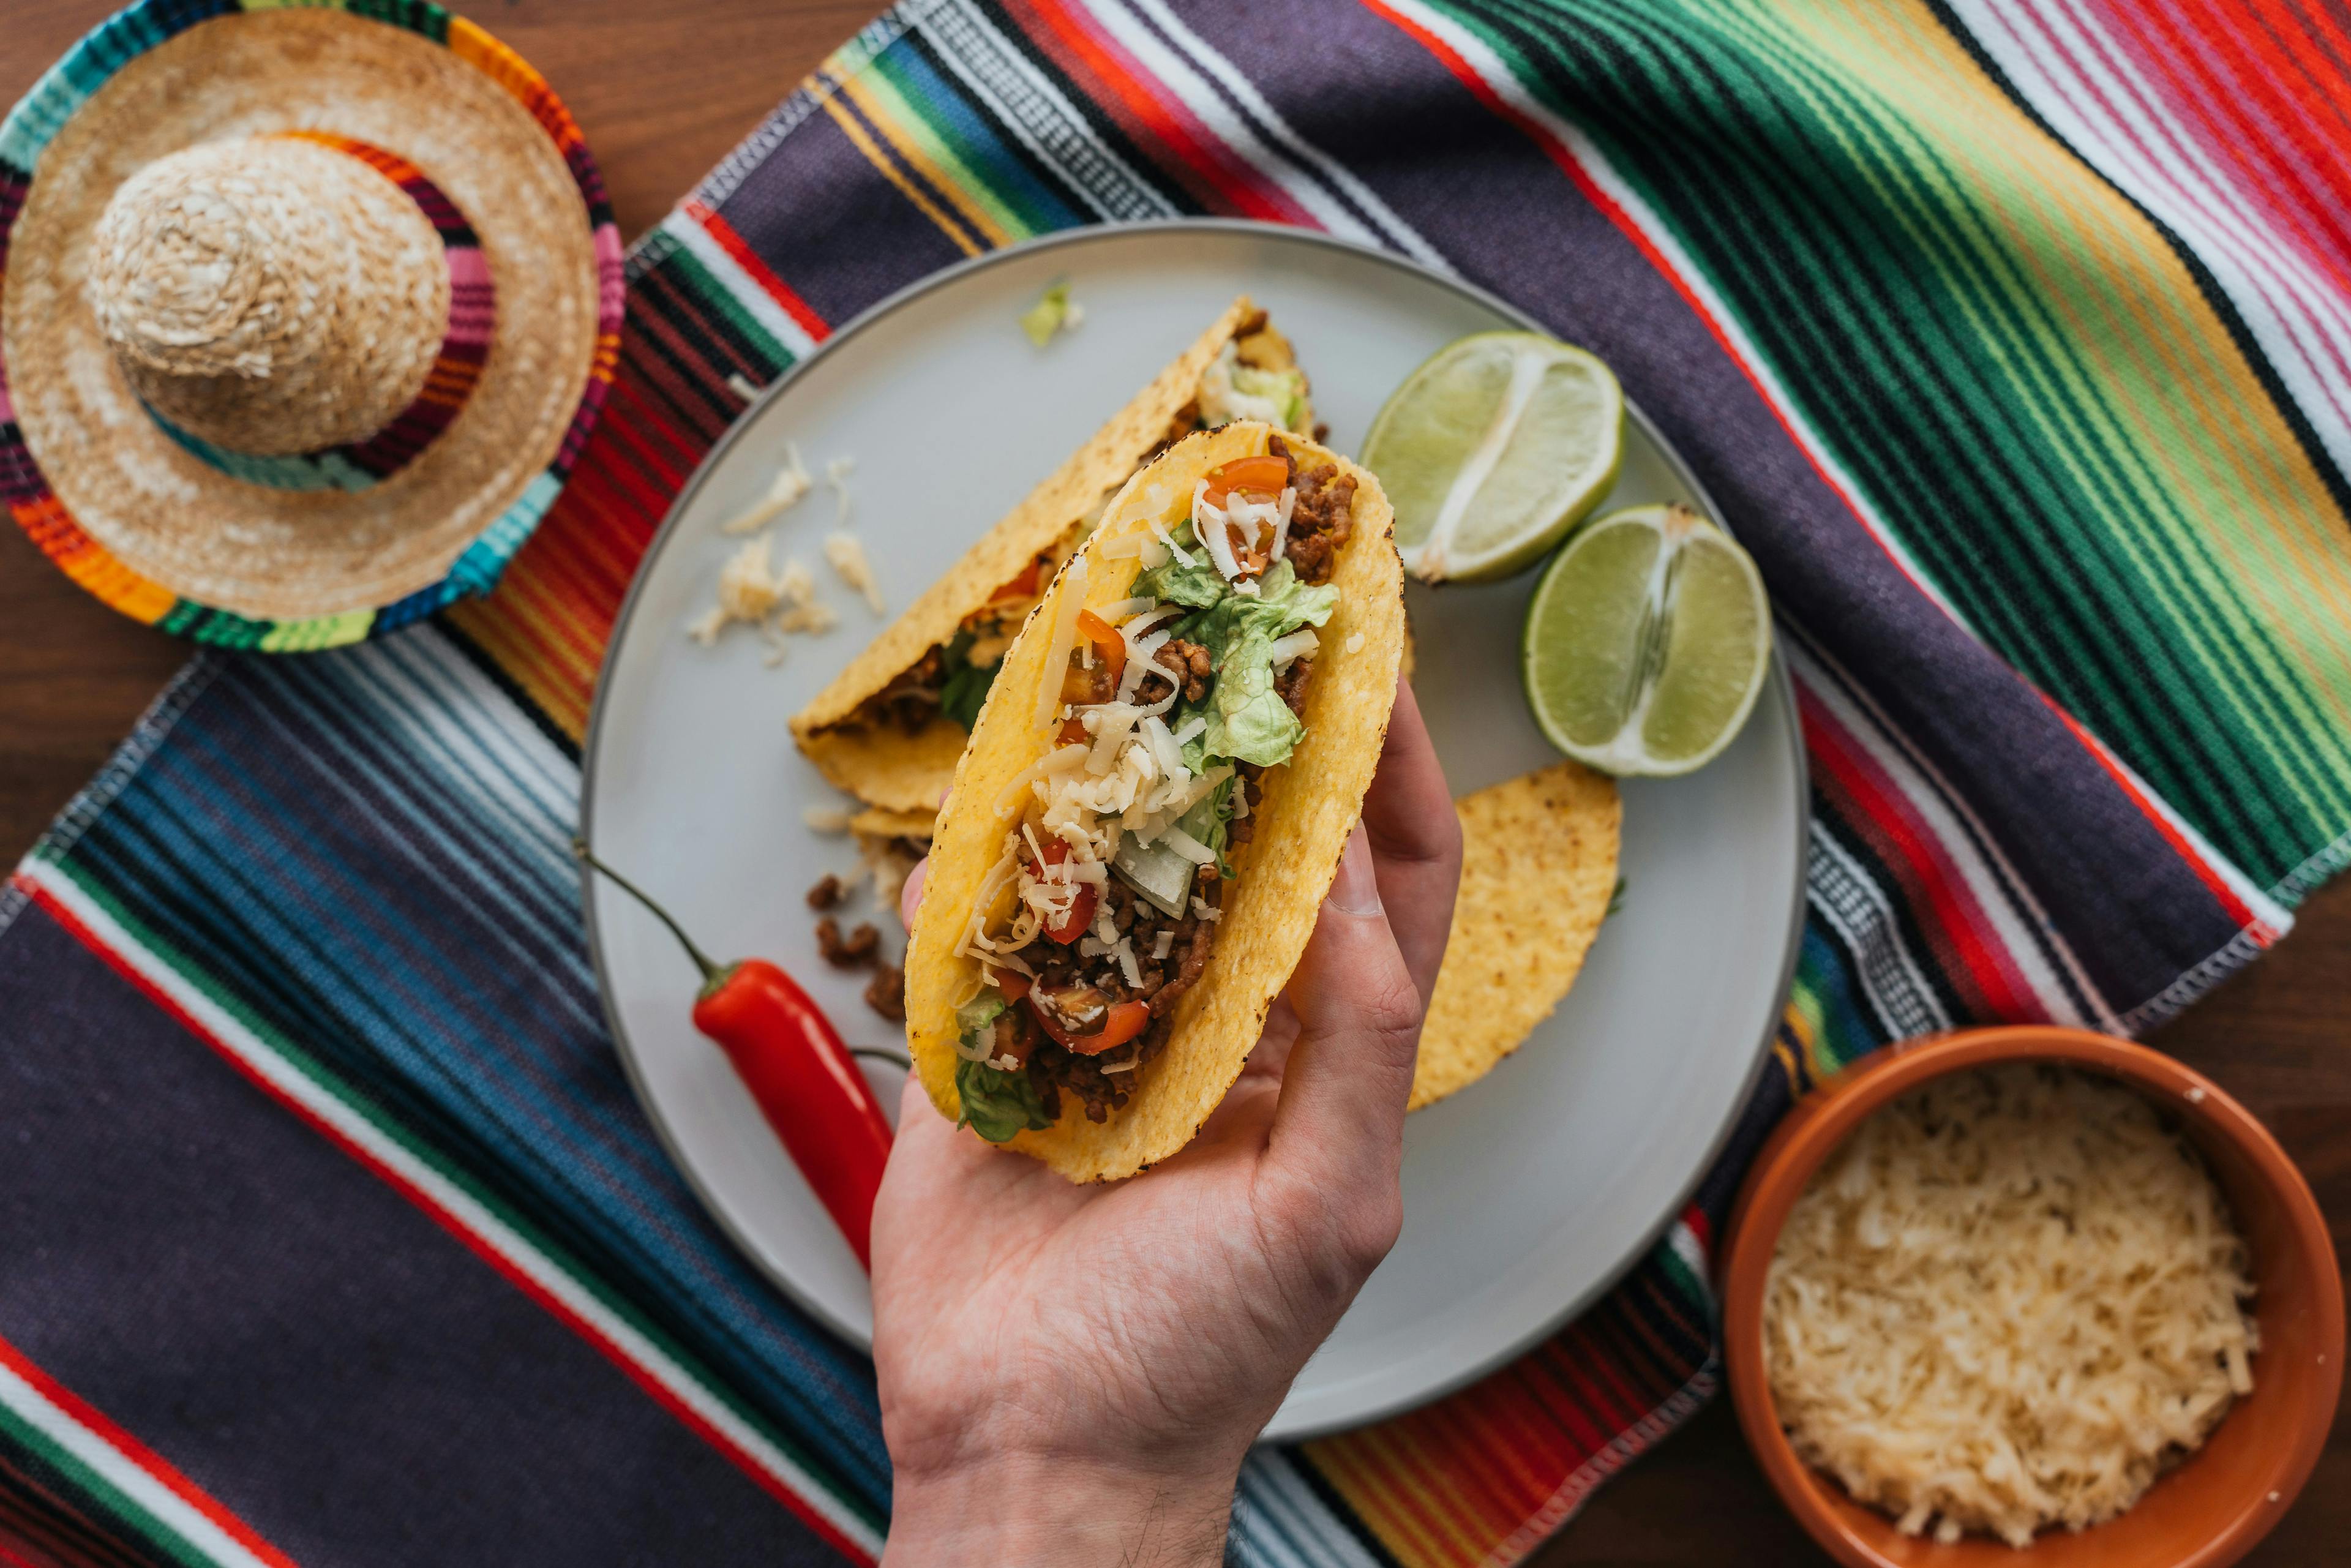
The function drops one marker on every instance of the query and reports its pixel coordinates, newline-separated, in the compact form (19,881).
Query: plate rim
(616,644)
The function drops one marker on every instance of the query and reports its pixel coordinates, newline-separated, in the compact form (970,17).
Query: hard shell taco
(1155,798)
(890,727)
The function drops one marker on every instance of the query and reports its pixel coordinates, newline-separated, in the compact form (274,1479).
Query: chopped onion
(1065,637)
(1300,644)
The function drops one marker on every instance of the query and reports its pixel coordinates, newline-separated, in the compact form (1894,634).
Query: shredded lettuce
(1197,586)
(997,1104)
(1048,315)
(977,1013)
(1247,720)
(1280,606)
(966,685)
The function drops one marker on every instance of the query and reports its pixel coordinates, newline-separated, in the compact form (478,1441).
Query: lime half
(1496,446)
(1646,642)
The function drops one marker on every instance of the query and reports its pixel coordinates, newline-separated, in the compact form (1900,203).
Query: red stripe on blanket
(481,1246)
(89,1416)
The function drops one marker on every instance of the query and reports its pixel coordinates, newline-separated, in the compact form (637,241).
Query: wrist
(1045,1513)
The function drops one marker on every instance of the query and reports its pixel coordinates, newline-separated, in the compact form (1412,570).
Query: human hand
(1074,1375)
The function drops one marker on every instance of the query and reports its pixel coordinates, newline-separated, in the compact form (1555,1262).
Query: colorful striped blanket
(2015,341)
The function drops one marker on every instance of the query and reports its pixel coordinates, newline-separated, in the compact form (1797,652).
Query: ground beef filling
(1322,518)
(910,699)
(1056,1070)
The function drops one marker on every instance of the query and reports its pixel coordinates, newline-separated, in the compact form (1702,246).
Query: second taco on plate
(1155,798)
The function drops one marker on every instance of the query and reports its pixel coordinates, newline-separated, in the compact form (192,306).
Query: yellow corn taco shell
(1301,825)
(1538,869)
(882,764)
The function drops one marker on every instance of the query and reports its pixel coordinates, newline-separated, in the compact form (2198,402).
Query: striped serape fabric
(2015,343)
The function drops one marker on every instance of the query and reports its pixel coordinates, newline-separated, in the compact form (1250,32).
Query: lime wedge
(1646,642)
(1496,446)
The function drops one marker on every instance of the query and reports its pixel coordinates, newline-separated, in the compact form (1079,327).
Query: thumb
(1341,1118)
(910,895)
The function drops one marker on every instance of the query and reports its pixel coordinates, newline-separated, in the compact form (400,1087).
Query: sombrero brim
(151,527)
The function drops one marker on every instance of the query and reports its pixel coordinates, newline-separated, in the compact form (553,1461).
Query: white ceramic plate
(1526,1195)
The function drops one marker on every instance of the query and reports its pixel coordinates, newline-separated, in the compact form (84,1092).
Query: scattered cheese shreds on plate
(2012,1299)
(836,479)
(748,588)
(751,589)
(790,484)
(848,558)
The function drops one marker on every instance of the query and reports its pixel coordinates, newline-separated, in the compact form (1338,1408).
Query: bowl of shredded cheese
(2030,1292)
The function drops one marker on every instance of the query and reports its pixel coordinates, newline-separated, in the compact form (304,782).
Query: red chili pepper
(792,1058)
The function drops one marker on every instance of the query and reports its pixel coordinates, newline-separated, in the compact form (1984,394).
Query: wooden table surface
(663,93)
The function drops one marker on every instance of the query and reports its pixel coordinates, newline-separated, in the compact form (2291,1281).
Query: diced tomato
(1265,476)
(1108,644)
(1122,1021)
(1013,984)
(1021,587)
(1072,733)
(1250,557)
(1126,1020)
(1071,926)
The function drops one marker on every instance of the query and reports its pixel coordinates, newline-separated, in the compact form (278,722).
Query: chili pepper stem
(711,972)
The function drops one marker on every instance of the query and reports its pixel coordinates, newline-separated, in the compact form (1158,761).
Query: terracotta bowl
(2212,1508)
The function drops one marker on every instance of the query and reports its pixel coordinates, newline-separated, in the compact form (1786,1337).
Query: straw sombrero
(305,313)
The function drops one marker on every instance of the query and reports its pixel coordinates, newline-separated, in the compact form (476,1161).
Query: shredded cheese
(836,479)
(2011,1300)
(1215,532)
(848,560)
(1065,637)
(1300,644)
(784,492)
(749,588)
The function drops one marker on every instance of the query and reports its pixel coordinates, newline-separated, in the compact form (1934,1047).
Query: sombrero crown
(305,315)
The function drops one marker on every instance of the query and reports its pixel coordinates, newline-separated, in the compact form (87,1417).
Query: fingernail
(1355,890)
